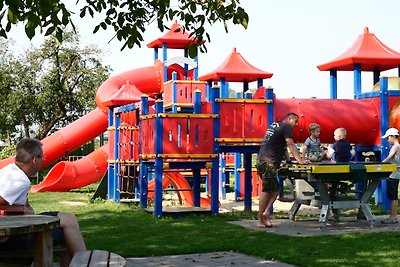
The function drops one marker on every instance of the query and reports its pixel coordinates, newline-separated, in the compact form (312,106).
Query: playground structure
(187,133)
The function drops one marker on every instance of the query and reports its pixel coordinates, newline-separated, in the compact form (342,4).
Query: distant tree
(6,83)
(128,18)
(51,86)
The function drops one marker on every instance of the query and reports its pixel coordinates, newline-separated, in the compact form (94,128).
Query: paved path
(223,258)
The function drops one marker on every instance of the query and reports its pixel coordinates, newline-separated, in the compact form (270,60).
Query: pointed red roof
(236,69)
(176,38)
(368,51)
(127,94)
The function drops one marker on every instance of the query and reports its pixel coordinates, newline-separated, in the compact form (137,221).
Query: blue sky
(287,37)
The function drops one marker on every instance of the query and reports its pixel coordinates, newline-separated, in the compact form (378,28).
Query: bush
(7,152)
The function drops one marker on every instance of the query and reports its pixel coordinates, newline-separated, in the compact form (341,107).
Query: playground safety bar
(184,82)
(237,100)
(238,140)
(179,115)
(185,105)
(179,156)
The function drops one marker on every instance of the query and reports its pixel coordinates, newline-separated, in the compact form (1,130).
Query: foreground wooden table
(40,226)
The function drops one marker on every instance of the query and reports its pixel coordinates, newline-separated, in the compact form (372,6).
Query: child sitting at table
(342,150)
(312,149)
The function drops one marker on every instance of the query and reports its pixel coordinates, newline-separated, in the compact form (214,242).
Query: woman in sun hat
(392,136)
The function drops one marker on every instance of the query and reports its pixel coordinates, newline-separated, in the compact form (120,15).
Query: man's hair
(27,149)
(291,115)
(312,127)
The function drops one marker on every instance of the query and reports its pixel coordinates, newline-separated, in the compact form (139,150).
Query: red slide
(185,197)
(68,175)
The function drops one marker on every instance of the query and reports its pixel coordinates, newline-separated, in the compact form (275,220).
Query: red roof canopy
(369,52)
(175,38)
(127,94)
(236,69)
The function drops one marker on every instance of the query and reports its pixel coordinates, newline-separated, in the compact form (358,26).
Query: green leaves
(133,17)
(128,18)
(46,15)
(30,26)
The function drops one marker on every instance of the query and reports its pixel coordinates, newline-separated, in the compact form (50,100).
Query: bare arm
(295,151)
(392,152)
(26,209)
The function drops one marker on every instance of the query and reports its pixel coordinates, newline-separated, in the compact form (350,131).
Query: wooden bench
(92,258)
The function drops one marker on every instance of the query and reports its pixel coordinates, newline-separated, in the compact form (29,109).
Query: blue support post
(385,148)
(223,90)
(260,83)
(214,172)
(357,80)
(222,165)
(245,87)
(116,193)
(174,92)
(269,92)
(196,187)
(155,53)
(185,66)
(247,163)
(158,160)
(238,164)
(164,46)
(111,166)
(247,181)
(196,69)
(333,83)
(208,90)
(143,175)
(197,102)
(377,74)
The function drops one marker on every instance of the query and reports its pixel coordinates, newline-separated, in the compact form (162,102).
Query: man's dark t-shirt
(342,150)
(274,143)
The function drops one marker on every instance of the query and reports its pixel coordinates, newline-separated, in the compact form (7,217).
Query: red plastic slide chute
(67,175)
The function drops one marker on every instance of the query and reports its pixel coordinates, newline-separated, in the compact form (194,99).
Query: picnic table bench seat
(98,258)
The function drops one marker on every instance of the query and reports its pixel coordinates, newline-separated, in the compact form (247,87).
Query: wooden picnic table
(38,225)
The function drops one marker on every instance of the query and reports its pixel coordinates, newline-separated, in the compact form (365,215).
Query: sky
(286,37)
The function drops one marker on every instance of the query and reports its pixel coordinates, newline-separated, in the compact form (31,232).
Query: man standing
(14,188)
(277,139)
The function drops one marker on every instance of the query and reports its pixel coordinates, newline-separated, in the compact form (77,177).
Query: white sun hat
(391,131)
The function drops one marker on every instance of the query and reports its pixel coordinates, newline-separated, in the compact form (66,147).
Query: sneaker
(389,221)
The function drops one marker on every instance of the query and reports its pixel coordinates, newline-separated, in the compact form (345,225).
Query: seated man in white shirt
(14,188)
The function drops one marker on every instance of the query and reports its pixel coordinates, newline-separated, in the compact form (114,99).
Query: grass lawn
(131,232)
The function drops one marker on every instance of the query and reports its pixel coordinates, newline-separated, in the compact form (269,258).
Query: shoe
(389,221)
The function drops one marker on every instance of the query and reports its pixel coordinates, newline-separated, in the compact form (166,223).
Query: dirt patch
(73,203)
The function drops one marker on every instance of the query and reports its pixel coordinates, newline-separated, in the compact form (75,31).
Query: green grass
(131,232)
